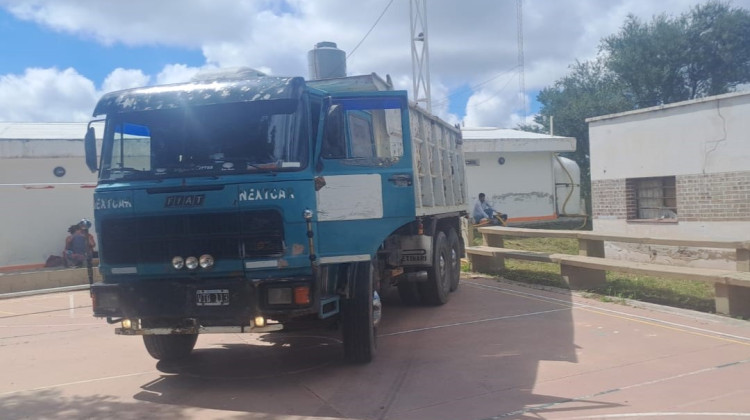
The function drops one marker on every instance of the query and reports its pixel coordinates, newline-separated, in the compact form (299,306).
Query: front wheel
(357,315)
(170,347)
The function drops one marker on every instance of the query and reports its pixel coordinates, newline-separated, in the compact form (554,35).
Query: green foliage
(589,90)
(700,53)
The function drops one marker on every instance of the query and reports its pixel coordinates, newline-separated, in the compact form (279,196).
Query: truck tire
(170,347)
(435,291)
(357,320)
(409,293)
(455,258)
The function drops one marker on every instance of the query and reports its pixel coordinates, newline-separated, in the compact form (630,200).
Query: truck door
(364,175)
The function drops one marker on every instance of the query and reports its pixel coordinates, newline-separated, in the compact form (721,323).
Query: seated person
(483,212)
(76,247)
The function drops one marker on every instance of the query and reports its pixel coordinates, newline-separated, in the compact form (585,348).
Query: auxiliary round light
(206,261)
(178,263)
(191,263)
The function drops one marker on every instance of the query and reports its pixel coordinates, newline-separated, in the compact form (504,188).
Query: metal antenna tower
(420,54)
(521,70)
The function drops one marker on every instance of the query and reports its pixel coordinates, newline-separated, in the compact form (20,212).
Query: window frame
(654,195)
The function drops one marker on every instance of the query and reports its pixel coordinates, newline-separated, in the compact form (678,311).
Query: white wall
(680,256)
(522,187)
(704,136)
(38,207)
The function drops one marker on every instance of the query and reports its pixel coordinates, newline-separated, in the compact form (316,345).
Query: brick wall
(711,197)
(608,198)
(714,197)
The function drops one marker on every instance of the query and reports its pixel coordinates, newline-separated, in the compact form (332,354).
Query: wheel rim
(443,271)
(377,309)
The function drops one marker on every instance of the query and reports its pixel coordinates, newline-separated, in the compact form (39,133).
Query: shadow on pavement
(478,357)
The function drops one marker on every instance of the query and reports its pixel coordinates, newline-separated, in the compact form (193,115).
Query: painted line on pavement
(459,324)
(717,335)
(586,398)
(85,381)
(713,415)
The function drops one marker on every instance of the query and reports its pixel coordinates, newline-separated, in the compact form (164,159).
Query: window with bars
(652,198)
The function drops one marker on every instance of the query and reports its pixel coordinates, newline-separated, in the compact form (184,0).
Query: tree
(589,90)
(700,53)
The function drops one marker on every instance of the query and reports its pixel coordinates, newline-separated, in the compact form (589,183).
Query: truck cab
(241,202)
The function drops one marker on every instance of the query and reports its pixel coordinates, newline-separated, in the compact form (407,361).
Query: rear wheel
(357,315)
(435,290)
(170,347)
(455,259)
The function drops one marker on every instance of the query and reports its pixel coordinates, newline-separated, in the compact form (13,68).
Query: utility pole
(420,53)
(521,70)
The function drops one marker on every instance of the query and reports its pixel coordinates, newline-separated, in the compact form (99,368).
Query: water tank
(325,61)
(567,186)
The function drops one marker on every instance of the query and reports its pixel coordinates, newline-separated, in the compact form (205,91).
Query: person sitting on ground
(75,247)
(84,225)
(64,260)
(483,212)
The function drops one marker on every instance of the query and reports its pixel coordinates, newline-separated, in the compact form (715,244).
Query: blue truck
(240,202)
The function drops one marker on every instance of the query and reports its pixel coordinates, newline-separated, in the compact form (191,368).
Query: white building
(521,174)
(45,187)
(678,170)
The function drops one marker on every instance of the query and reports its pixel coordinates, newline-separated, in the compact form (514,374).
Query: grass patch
(671,292)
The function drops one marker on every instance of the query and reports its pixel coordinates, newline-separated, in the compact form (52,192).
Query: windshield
(205,141)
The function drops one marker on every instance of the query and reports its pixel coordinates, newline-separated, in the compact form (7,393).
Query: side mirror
(89,144)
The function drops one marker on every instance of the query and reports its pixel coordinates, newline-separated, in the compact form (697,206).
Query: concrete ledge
(45,279)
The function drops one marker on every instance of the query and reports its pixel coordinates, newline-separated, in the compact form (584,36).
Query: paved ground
(495,351)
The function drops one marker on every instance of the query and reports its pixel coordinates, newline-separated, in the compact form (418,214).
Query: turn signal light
(302,295)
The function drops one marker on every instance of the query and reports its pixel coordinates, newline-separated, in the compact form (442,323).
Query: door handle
(401,180)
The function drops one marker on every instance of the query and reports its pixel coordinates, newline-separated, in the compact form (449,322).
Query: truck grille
(255,234)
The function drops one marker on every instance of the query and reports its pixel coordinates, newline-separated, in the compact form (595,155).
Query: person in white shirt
(483,210)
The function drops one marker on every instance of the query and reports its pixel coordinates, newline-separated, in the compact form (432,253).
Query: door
(364,174)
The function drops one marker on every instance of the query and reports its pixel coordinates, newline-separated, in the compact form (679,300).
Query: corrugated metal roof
(493,139)
(43,140)
(42,131)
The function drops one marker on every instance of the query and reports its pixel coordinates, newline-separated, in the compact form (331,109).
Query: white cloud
(141,22)
(47,95)
(471,42)
(124,79)
(176,73)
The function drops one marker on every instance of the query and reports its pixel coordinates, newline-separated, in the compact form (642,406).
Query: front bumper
(158,301)
(252,327)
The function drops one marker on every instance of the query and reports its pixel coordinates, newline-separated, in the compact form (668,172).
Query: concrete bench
(588,269)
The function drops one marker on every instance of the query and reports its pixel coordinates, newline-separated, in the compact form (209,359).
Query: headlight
(178,263)
(206,261)
(191,263)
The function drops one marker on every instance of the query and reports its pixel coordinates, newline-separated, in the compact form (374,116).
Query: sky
(58,57)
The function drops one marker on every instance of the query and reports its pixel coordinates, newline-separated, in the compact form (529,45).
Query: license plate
(213,297)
